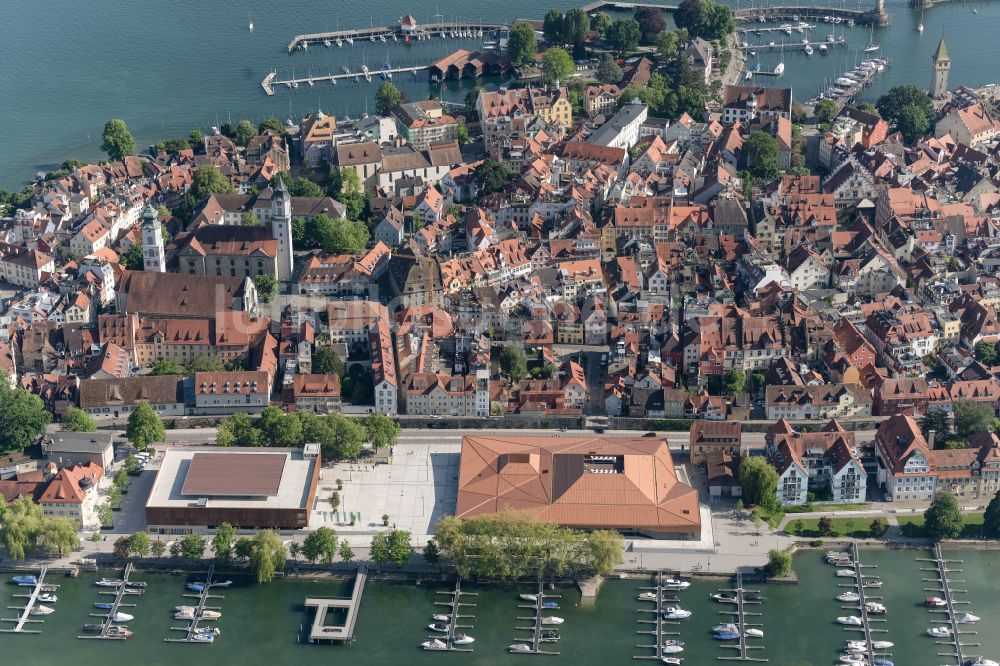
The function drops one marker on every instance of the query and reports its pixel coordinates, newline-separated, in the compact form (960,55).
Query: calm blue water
(168,67)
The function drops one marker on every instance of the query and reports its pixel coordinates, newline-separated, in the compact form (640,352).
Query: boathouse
(464,64)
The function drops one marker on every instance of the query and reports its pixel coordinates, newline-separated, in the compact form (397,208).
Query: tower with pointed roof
(942,64)
(281,228)
(153,256)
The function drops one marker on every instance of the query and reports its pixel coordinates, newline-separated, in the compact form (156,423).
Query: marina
(457,30)
(109,629)
(453,640)
(31,607)
(743,627)
(271,81)
(540,624)
(850,85)
(193,633)
(860,583)
(952,616)
(660,644)
(326,606)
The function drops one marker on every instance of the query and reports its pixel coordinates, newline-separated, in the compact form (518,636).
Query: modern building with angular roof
(621,483)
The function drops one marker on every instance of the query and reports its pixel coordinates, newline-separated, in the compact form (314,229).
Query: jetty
(742,625)
(22,621)
(455,605)
(863,599)
(763,29)
(863,76)
(947,592)
(795,46)
(777,12)
(119,595)
(421,32)
(658,622)
(191,632)
(271,81)
(535,640)
(320,630)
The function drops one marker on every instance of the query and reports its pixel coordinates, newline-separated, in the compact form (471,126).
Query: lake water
(169,67)
(264,624)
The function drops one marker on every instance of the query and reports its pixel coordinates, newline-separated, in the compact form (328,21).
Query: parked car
(599,430)
(650,434)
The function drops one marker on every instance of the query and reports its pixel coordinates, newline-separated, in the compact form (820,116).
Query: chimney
(930,439)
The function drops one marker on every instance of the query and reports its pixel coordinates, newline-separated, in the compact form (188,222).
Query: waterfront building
(941,67)
(153,256)
(904,459)
(824,461)
(72,493)
(747,103)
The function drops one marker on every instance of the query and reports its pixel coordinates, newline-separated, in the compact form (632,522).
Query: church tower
(153,256)
(942,64)
(281,229)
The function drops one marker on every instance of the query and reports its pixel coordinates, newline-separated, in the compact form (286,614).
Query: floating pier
(24,619)
(337,632)
(453,621)
(462,30)
(271,82)
(535,641)
(948,594)
(863,599)
(777,28)
(866,76)
(794,46)
(741,614)
(118,602)
(658,622)
(203,596)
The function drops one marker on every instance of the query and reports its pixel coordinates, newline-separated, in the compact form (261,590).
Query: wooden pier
(118,602)
(535,641)
(24,619)
(741,614)
(795,46)
(454,615)
(948,594)
(192,630)
(867,77)
(658,622)
(382,34)
(337,632)
(863,600)
(271,81)
(775,28)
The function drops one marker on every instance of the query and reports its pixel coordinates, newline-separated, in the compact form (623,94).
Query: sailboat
(920,26)
(249,23)
(872,46)
(779,69)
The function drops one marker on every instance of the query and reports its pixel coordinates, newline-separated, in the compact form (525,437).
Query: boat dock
(948,594)
(863,600)
(794,46)
(271,81)
(776,28)
(657,631)
(455,605)
(320,631)
(866,78)
(470,30)
(24,619)
(203,597)
(742,625)
(534,642)
(118,603)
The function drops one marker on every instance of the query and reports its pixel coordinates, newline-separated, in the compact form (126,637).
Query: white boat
(981,661)
(875,608)
(552,619)
(939,632)
(848,596)
(326,43)
(108,582)
(676,584)
(674,661)
(440,628)
(851,660)
(214,631)
(528,597)
(121,617)
(856,645)
(754,633)
(463,639)
(935,602)
(882,645)
(48,598)
(205,615)
(305,46)
(845,573)
(339,42)
(516,647)
(350,40)
(114,631)
(647,596)
(850,620)
(250,26)
(42,610)
(967,618)
(808,49)
(872,583)
(434,644)
(920,27)
(671,647)
(441,618)
(823,49)
(871,48)
(724,598)
(203,638)
(728,628)
(779,69)
(676,613)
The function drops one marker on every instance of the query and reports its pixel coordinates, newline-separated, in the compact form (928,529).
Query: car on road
(888,497)
(599,430)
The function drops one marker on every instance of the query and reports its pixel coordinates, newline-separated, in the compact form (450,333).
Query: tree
(667,44)
(991,518)
(623,35)
(825,110)
(986,353)
(557,65)
(250,219)
(825,525)
(21,525)
(278,428)
(387,98)
(192,546)
(521,47)
(243,548)
(348,437)
(206,180)
(115,497)
(272,124)
(605,550)
(462,133)
(972,417)
(651,23)
(472,96)
(222,542)
(600,23)
(892,104)
(321,545)
(346,552)
(267,287)
(105,514)
(432,555)
(238,430)
(552,27)
(132,259)
(400,547)
(734,381)
(267,555)
(705,18)
(77,420)
(868,107)
(380,548)
(576,26)
(381,431)
(513,363)
(609,71)
(878,528)
(339,235)
(131,465)
(758,479)
(779,563)
(936,419)
(943,518)
(121,548)
(326,362)
(763,151)
(157,548)
(491,176)
(302,187)
(138,544)
(245,131)
(164,367)
(294,549)
(144,427)
(913,123)
(116,140)
(121,479)
(23,417)
(204,363)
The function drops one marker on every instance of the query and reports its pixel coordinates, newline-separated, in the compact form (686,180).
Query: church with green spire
(942,65)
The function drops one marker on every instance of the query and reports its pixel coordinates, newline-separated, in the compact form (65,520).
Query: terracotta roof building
(584,482)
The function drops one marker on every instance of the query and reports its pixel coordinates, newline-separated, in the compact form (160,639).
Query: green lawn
(840,507)
(809,527)
(913,526)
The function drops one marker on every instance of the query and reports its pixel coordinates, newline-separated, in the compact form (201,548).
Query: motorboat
(215,631)
(48,598)
(676,584)
(463,639)
(872,583)
(823,49)
(552,619)
(434,644)
(121,617)
(350,40)
(647,596)
(516,647)
(550,604)
(534,597)
(203,638)
(25,580)
(845,573)
(327,43)
(754,633)
(967,618)
(779,69)
(133,590)
(549,637)
(875,608)
(114,631)
(851,660)
(726,636)
(196,587)
(205,615)
(676,613)
(939,632)
(441,618)
(103,605)
(42,610)
(884,662)
(836,556)
(808,49)
(93,628)
(872,48)
(981,661)
(672,647)
(108,582)
(671,660)
(339,42)
(850,620)
(848,597)
(438,627)
(882,645)
(724,598)
(856,645)
(935,602)
(728,627)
